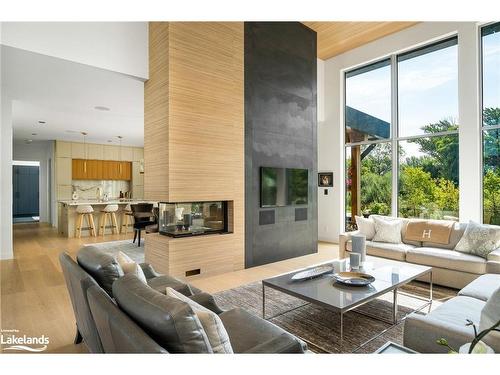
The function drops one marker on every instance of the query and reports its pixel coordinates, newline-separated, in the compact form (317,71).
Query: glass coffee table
(389,275)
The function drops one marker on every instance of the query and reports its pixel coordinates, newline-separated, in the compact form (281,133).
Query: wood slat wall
(156,111)
(194,148)
(335,38)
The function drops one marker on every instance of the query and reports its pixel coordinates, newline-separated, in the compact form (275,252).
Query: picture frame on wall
(325,179)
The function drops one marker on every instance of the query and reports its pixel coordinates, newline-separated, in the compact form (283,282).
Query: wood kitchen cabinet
(101,170)
(126,170)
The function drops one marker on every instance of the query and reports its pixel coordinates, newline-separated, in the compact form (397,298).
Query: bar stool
(127,214)
(84,210)
(108,211)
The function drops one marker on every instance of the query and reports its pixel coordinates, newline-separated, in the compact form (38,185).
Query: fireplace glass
(192,218)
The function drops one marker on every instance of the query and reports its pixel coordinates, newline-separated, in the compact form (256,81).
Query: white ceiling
(63,94)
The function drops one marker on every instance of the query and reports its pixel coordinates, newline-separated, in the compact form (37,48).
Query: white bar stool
(108,211)
(85,210)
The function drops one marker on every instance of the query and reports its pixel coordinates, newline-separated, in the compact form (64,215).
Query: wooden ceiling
(335,38)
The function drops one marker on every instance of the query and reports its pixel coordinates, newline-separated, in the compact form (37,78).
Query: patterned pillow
(387,230)
(479,239)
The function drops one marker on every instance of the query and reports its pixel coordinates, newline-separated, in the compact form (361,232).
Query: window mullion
(394,135)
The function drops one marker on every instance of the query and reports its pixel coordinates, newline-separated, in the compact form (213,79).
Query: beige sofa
(450,268)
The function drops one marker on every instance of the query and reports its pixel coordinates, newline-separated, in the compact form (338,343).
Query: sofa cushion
(455,236)
(457,310)
(479,239)
(482,288)
(170,322)
(103,267)
(449,259)
(385,250)
(247,331)
(216,333)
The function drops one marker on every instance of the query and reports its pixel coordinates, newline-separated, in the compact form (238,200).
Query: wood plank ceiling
(335,38)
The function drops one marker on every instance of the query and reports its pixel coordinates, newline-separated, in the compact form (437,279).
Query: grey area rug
(320,328)
(126,246)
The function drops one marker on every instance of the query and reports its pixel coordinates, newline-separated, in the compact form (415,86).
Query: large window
(490,50)
(401,116)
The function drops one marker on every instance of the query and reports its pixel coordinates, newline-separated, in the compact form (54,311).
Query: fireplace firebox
(184,219)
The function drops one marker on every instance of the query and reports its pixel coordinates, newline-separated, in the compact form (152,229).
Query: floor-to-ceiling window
(401,116)
(368,151)
(490,57)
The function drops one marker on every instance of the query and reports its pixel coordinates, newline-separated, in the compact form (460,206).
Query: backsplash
(87,189)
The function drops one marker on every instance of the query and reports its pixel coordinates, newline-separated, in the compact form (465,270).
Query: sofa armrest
(284,343)
(343,239)
(148,270)
(207,301)
(492,266)
(494,255)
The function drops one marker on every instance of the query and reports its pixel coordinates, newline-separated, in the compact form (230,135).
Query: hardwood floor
(34,299)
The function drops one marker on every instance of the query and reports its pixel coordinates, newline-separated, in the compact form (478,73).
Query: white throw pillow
(387,230)
(216,333)
(366,227)
(479,239)
(129,266)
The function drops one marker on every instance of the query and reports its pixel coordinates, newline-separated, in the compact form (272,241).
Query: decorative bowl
(353,278)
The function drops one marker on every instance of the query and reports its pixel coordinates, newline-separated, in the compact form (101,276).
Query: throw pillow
(366,227)
(387,230)
(212,324)
(479,239)
(129,266)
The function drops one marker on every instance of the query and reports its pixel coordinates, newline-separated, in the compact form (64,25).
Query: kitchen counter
(68,215)
(96,202)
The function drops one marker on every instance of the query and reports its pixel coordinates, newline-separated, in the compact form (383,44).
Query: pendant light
(120,139)
(84,152)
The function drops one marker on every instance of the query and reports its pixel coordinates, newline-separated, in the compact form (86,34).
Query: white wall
(118,46)
(330,134)
(5,169)
(41,151)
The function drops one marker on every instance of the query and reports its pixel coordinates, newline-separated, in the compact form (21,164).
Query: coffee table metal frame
(394,321)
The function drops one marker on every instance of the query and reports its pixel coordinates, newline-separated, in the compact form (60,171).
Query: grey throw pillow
(479,239)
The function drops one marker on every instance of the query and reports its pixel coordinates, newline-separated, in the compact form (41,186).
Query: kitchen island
(68,215)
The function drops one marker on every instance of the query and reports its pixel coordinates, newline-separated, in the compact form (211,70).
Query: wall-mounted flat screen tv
(283,186)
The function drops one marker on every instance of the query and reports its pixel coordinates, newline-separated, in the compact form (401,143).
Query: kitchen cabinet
(101,170)
(78,169)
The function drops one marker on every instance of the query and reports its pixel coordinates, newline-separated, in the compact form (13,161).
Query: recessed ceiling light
(34,134)
(109,141)
(41,122)
(101,108)
(28,141)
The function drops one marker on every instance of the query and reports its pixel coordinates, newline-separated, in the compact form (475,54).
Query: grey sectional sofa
(450,268)
(449,319)
(117,313)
